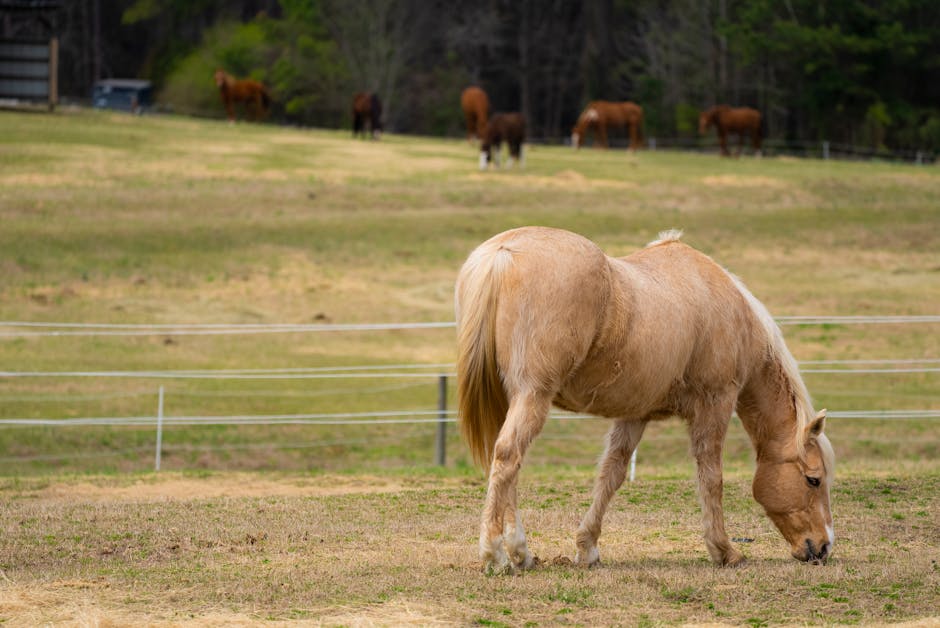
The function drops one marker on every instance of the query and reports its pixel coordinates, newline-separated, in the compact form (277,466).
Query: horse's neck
(767,409)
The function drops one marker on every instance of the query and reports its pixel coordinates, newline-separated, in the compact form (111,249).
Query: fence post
(652,143)
(440,453)
(825,150)
(920,158)
(159,429)
(633,465)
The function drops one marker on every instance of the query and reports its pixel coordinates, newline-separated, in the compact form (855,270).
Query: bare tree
(379,39)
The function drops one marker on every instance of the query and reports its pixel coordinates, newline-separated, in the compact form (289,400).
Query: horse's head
(219,78)
(585,121)
(706,119)
(793,487)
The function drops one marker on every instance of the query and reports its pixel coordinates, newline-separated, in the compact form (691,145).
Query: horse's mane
(672,235)
(776,347)
(803,405)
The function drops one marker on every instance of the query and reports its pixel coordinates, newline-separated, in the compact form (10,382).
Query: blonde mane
(671,235)
(802,402)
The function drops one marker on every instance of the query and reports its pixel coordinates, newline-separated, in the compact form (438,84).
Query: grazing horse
(254,94)
(476,111)
(367,110)
(545,317)
(740,120)
(503,127)
(601,115)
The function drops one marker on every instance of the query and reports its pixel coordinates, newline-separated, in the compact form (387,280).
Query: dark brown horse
(601,115)
(254,94)
(741,120)
(503,127)
(476,111)
(367,111)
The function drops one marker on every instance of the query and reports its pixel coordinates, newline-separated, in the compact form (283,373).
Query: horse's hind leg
(622,440)
(514,534)
(707,430)
(526,416)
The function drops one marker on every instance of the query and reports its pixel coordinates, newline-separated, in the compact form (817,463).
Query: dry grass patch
(384,557)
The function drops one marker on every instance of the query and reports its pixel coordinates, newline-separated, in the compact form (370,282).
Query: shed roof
(123,83)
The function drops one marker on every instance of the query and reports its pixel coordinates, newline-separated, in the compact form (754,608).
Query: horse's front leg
(622,440)
(526,416)
(707,431)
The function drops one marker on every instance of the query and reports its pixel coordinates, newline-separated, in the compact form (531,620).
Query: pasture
(163,220)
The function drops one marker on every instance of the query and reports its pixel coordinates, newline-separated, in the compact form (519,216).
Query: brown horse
(476,111)
(544,317)
(367,111)
(255,95)
(503,127)
(601,115)
(740,120)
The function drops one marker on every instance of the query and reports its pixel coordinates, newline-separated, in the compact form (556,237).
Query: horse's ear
(815,427)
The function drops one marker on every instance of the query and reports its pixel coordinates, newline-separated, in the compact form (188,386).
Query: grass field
(162,220)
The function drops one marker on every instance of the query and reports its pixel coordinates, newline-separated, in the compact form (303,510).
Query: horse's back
(472,98)
(741,118)
(676,321)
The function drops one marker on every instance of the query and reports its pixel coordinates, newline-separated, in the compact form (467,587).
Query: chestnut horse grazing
(601,115)
(367,110)
(740,120)
(476,111)
(503,127)
(545,317)
(254,94)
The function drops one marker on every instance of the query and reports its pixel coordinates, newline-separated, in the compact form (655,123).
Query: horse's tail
(375,112)
(639,126)
(481,397)
(265,98)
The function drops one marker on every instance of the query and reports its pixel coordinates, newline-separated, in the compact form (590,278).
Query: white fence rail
(440,371)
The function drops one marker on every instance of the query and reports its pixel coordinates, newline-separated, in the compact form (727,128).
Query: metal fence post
(825,150)
(159,429)
(633,465)
(440,450)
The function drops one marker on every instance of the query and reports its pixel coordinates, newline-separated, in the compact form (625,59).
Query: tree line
(863,72)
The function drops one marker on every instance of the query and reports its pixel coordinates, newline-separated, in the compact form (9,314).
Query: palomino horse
(740,120)
(601,115)
(503,127)
(476,111)
(544,317)
(367,110)
(254,94)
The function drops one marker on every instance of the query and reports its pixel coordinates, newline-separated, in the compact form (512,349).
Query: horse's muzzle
(809,553)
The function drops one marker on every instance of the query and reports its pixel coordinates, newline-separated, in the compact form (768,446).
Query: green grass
(111,218)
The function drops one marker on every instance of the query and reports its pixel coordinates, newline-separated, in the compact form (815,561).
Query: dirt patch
(564,179)
(228,485)
(739,181)
(391,614)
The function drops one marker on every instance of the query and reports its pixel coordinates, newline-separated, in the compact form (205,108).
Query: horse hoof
(499,569)
(524,562)
(734,559)
(588,558)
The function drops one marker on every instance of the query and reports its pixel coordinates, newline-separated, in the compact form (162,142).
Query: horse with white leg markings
(545,317)
(601,115)
(503,127)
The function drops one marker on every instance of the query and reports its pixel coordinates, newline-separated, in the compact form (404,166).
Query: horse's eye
(812,481)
